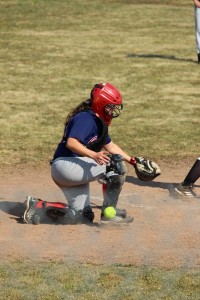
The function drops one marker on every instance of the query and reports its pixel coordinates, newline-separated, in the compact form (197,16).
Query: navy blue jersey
(82,127)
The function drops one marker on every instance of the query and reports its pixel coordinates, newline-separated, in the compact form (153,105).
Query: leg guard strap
(112,189)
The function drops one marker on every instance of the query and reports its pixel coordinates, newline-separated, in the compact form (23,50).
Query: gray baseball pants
(197,27)
(73,175)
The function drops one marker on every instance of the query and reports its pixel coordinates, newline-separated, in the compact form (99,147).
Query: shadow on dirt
(15,209)
(153,184)
(167,57)
(12,208)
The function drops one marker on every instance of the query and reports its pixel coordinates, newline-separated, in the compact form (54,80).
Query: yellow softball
(109,212)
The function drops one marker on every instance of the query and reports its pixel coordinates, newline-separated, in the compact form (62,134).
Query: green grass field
(50,281)
(52,53)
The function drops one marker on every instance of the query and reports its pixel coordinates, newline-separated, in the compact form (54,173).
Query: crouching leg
(114,180)
(39,211)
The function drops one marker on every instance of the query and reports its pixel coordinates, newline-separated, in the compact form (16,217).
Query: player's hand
(102,157)
(197,3)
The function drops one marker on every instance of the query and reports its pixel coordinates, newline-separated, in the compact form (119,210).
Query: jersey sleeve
(80,127)
(108,140)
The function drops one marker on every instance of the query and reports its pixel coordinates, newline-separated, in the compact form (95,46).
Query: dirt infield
(165,231)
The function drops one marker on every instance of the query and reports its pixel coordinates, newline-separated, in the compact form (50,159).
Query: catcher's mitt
(145,169)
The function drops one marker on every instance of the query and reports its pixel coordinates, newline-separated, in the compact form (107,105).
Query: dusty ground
(165,231)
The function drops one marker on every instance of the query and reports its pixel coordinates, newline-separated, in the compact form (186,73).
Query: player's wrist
(132,161)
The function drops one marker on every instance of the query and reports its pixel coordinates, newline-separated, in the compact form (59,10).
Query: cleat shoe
(72,217)
(31,215)
(121,212)
(185,191)
(116,220)
(87,215)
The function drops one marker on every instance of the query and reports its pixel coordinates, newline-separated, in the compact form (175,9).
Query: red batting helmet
(106,101)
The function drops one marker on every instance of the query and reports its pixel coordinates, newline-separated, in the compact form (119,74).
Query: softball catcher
(86,153)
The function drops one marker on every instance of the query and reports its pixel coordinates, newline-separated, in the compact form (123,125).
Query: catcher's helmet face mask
(106,101)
